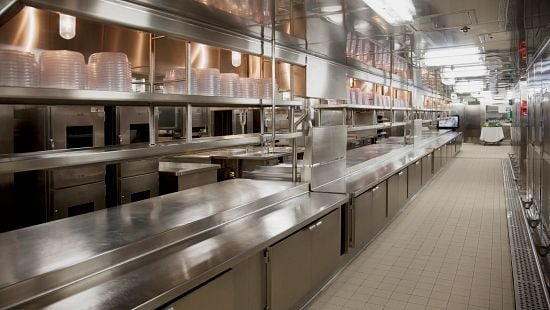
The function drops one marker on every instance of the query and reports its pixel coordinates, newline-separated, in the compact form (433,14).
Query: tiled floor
(448,249)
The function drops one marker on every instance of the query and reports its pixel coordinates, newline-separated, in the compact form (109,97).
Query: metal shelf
(76,157)
(279,136)
(369,107)
(54,96)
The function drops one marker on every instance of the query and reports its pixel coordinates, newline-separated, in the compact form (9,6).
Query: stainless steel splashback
(325,155)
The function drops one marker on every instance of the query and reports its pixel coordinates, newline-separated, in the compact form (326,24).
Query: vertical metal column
(189,108)
(273,76)
(152,116)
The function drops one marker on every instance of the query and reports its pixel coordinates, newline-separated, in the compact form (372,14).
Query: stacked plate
(266,88)
(18,69)
(109,71)
(175,81)
(63,69)
(230,85)
(209,81)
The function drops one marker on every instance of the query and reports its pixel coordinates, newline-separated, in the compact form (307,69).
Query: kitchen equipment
(45,193)
(176,176)
(132,180)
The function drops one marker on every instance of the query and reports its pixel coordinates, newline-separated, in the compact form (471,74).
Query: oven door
(139,187)
(133,125)
(76,127)
(77,200)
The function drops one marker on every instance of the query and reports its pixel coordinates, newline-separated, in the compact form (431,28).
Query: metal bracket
(526,203)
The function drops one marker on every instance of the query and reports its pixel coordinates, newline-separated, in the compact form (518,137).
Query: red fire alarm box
(523,108)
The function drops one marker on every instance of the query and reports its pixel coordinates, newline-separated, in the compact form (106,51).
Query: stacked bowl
(230,85)
(266,88)
(109,71)
(209,81)
(63,69)
(18,69)
(175,81)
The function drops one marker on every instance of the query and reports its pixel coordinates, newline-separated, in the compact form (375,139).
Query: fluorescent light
(456,60)
(448,81)
(469,86)
(468,71)
(395,12)
(453,56)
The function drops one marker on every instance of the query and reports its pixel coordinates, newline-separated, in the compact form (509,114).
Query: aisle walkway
(448,249)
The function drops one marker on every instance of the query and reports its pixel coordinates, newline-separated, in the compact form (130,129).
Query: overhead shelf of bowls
(62,77)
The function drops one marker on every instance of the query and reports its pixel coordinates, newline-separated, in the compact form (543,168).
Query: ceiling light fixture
(467,71)
(469,86)
(450,56)
(67,26)
(235,59)
(395,12)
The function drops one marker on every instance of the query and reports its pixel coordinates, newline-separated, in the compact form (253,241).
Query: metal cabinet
(414,177)
(397,192)
(301,263)
(369,213)
(450,152)
(427,166)
(443,155)
(437,160)
(240,288)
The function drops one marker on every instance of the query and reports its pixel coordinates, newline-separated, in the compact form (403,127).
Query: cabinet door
(362,214)
(443,155)
(216,294)
(415,178)
(426,168)
(394,194)
(437,160)
(290,271)
(325,247)
(379,217)
(403,192)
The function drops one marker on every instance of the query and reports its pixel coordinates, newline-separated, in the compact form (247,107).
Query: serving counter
(236,244)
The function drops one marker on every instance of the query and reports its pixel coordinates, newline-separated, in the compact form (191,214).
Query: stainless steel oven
(133,180)
(7,220)
(58,193)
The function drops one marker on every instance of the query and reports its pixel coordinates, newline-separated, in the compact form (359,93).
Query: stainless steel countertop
(65,250)
(388,161)
(187,264)
(251,153)
(180,169)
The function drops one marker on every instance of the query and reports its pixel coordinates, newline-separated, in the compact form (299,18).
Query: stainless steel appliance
(54,194)
(7,221)
(134,180)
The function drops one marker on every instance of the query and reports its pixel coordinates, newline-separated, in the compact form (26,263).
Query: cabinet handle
(375,189)
(311,227)
(400,173)
(318,223)
(417,163)
(429,155)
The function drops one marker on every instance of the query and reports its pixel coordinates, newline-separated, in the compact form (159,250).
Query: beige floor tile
(448,248)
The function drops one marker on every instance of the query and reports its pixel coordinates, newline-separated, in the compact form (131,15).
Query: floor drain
(529,288)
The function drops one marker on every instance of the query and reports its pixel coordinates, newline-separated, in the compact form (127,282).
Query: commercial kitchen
(274,154)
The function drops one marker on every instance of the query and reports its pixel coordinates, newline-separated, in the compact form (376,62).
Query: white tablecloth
(491,134)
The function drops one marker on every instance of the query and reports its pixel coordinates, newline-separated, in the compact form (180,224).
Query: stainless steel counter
(188,263)
(44,257)
(180,169)
(369,165)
